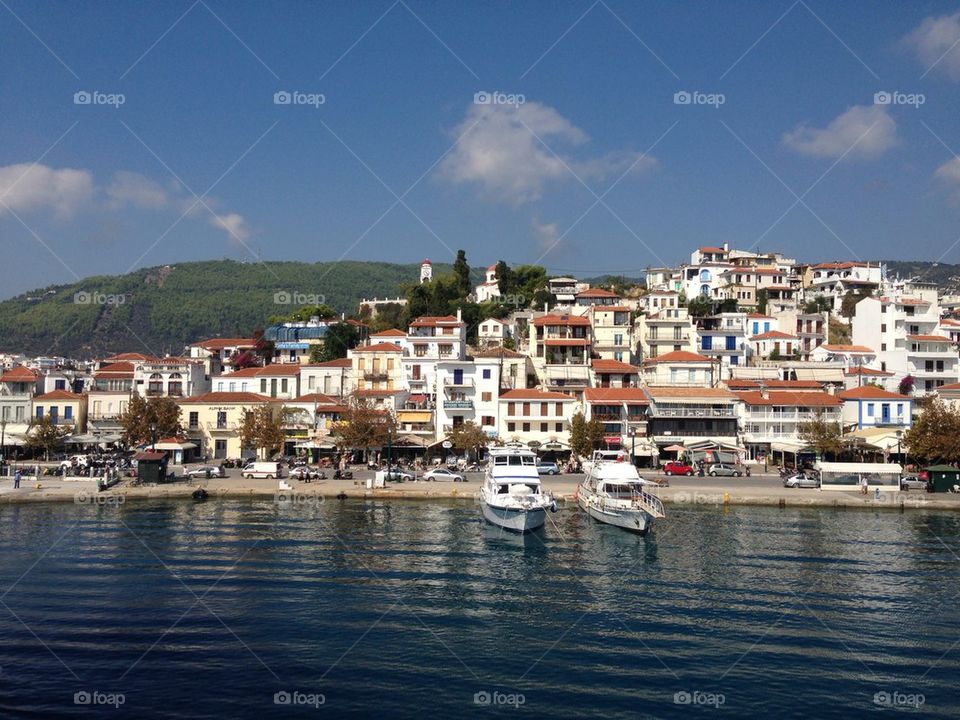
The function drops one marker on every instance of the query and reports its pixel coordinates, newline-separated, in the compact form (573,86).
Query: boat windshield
(514,460)
(620,490)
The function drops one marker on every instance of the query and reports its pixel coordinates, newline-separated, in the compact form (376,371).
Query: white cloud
(862,131)
(936,41)
(949,174)
(130,188)
(232,223)
(547,235)
(503,151)
(25,188)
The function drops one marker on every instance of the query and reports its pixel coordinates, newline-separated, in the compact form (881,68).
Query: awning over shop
(314,445)
(786,446)
(173,446)
(414,416)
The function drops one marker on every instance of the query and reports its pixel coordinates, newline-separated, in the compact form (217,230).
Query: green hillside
(162,309)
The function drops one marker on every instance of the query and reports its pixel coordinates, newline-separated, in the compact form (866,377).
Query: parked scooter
(343,475)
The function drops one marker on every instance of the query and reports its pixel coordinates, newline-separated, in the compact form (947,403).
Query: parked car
(443,475)
(547,468)
(801,480)
(398,475)
(911,482)
(268,470)
(302,472)
(677,468)
(202,470)
(726,470)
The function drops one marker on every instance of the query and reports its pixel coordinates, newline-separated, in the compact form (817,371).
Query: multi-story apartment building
(772,419)
(378,367)
(870,406)
(458,393)
(561,347)
(613,374)
(623,411)
(723,337)
(612,332)
(905,332)
(213,421)
(429,340)
(333,377)
(273,381)
(690,414)
(169,377)
(18,385)
(108,398)
(536,416)
(681,369)
(62,407)
(668,329)
(216,353)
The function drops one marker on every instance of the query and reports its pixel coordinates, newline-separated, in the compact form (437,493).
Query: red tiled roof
(278,370)
(318,398)
(678,356)
(846,348)
(534,395)
(58,395)
(392,332)
(566,342)
(712,250)
(435,320)
(136,357)
(800,399)
(772,384)
(500,352)
(375,393)
(118,369)
(339,362)
(609,308)
(866,371)
(597,292)
(379,347)
(928,338)
(666,393)
(19,374)
(613,366)
(774,335)
(632,396)
(560,320)
(221,343)
(870,392)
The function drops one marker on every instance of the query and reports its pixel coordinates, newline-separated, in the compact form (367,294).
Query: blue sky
(593,166)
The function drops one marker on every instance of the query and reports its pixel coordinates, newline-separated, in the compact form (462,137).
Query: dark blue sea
(230,609)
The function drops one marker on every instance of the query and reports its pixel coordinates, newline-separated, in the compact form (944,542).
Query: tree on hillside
(819,304)
(44,435)
(362,426)
(262,430)
(144,420)
(935,435)
(822,435)
(849,303)
(338,339)
(468,437)
(462,271)
(388,317)
(505,280)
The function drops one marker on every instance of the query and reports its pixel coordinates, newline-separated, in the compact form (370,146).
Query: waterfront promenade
(760,490)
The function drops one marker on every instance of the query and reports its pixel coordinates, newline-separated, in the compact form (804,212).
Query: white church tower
(426,271)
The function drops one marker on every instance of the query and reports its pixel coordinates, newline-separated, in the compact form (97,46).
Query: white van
(268,470)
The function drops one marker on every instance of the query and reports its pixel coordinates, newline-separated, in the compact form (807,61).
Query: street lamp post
(633,446)
(899,436)
(153,437)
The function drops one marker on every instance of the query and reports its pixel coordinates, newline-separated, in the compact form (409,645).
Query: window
(68,412)
(283,385)
(544,409)
(511,427)
(511,408)
(194,420)
(486,373)
(869,409)
(559,427)
(487,420)
(544,427)
(486,396)
(263,386)
(60,384)
(731,342)
(40,411)
(221,419)
(526,409)
(691,376)
(706,343)
(526,427)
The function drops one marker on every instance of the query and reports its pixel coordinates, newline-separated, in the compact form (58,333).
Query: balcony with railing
(458,404)
(666,337)
(453,381)
(376,375)
(693,411)
(222,426)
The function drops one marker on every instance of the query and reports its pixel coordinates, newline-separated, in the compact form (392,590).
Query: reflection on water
(398,608)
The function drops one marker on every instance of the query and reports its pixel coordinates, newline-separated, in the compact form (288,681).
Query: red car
(677,468)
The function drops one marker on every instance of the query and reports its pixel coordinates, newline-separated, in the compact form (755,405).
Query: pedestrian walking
(16,480)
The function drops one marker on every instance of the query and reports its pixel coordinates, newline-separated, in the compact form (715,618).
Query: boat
(511,496)
(614,493)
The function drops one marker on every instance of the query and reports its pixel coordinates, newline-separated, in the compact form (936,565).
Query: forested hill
(161,309)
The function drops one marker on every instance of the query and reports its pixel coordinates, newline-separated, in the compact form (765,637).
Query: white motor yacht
(614,493)
(511,496)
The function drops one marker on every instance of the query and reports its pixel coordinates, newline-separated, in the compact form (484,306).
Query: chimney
(459,315)
(726,247)
(545,306)
(764,392)
(831,388)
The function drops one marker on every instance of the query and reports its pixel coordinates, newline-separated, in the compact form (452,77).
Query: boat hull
(518,521)
(635,521)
